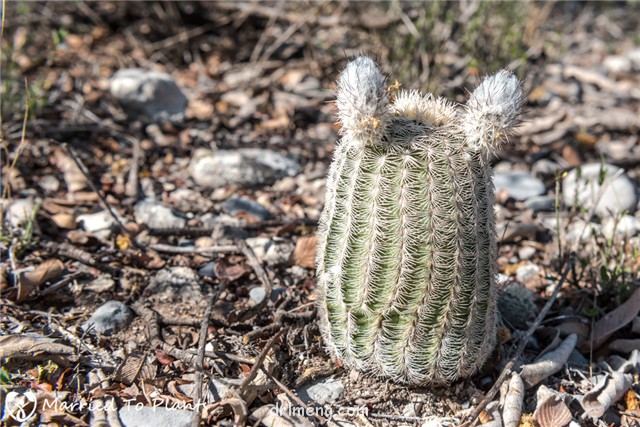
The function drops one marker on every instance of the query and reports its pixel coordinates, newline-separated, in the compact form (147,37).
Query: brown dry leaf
(631,400)
(64,220)
(304,254)
(616,319)
(484,417)
(29,280)
(132,368)
(553,413)
(35,348)
(230,272)
(163,357)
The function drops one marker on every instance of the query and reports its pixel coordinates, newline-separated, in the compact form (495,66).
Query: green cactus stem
(406,260)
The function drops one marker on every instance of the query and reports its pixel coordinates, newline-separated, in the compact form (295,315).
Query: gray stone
(148,95)
(323,391)
(527,272)
(257,295)
(208,270)
(617,64)
(20,212)
(526,252)
(156,215)
(49,183)
(149,416)
(577,230)
(541,203)
(581,186)
(95,222)
(519,185)
(176,283)
(245,167)
(236,205)
(272,251)
(109,318)
(545,168)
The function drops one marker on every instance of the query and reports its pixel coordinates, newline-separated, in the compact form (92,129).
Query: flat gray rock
(581,186)
(519,185)
(541,203)
(149,95)
(109,318)
(323,391)
(245,167)
(236,205)
(148,416)
(156,215)
(20,212)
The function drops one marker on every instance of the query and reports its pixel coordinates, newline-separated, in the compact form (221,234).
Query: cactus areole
(406,260)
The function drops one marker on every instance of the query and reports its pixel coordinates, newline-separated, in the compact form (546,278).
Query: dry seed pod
(406,259)
(553,413)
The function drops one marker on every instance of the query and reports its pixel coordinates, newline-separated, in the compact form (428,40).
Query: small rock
(272,251)
(625,226)
(617,64)
(176,283)
(148,94)
(578,231)
(20,212)
(519,185)
(97,222)
(208,270)
(156,215)
(102,283)
(527,273)
(149,416)
(541,203)
(257,295)
(526,252)
(323,391)
(49,183)
(243,167)
(581,186)
(109,318)
(242,205)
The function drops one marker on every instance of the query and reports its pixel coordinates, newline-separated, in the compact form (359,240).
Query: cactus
(406,259)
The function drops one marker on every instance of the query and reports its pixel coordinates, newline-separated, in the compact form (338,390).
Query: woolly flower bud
(493,109)
(362,99)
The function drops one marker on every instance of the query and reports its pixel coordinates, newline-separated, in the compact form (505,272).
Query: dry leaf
(304,254)
(548,364)
(123,242)
(64,220)
(513,402)
(133,367)
(163,357)
(35,347)
(553,413)
(608,391)
(631,400)
(29,280)
(228,271)
(625,346)
(616,319)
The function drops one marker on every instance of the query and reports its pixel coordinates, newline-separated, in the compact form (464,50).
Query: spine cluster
(406,261)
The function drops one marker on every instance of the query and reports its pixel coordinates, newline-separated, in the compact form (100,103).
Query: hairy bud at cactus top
(406,260)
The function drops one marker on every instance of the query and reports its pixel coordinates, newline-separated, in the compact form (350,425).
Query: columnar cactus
(406,261)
